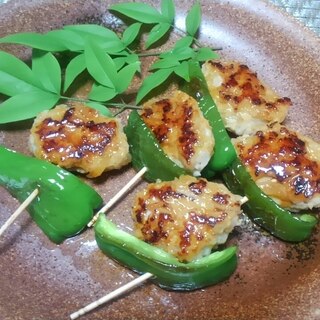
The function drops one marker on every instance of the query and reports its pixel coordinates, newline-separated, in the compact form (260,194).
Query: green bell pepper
(224,152)
(64,204)
(264,211)
(169,273)
(146,151)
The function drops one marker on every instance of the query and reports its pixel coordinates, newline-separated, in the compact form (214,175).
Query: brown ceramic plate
(274,280)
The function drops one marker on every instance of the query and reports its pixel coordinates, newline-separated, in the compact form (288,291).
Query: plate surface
(274,280)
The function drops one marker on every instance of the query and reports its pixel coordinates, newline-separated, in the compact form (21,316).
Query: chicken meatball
(186,217)
(79,138)
(181,130)
(284,164)
(243,100)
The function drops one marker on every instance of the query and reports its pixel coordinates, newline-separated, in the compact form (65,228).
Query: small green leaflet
(125,76)
(193,19)
(100,108)
(131,33)
(204,54)
(151,82)
(157,32)
(16,76)
(26,105)
(75,67)
(35,40)
(168,10)
(47,70)
(141,12)
(100,65)
(101,93)
(104,38)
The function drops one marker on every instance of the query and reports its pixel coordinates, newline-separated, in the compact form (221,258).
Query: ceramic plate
(274,280)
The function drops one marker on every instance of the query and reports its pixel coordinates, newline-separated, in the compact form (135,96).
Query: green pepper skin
(224,152)
(146,151)
(64,204)
(264,211)
(170,274)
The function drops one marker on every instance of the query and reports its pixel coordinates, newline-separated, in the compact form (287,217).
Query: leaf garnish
(168,10)
(47,70)
(16,76)
(157,32)
(141,12)
(75,67)
(26,105)
(131,33)
(100,65)
(100,108)
(193,19)
(151,82)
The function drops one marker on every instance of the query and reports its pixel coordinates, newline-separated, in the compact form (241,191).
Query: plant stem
(116,105)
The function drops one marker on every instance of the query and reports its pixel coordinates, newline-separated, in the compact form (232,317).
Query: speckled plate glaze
(274,280)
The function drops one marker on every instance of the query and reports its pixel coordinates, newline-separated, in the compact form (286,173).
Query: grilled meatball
(181,129)
(79,138)
(244,102)
(186,217)
(284,164)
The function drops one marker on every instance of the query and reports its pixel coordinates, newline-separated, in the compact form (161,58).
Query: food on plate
(243,100)
(147,152)
(64,204)
(278,171)
(186,217)
(79,138)
(284,164)
(168,272)
(181,130)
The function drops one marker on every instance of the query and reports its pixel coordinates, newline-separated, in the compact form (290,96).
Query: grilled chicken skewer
(80,139)
(244,101)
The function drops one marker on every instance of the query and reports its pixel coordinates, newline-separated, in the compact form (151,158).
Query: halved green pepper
(224,152)
(264,211)
(64,204)
(146,151)
(169,273)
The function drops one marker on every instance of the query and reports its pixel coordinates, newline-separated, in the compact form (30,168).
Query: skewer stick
(244,200)
(134,283)
(113,200)
(22,206)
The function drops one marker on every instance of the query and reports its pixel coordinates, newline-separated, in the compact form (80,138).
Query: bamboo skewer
(115,198)
(20,209)
(132,284)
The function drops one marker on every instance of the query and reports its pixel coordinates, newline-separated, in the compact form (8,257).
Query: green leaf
(125,76)
(100,108)
(100,65)
(76,66)
(103,37)
(182,70)
(26,105)
(47,70)
(151,82)
(16,76)
(35,40)
(168,10)
(141,12)
(131,33)
(156,33)
(183,53)
(165,63)
(184,42)
(102,93)
(70,40)
(193,19)
(204,54)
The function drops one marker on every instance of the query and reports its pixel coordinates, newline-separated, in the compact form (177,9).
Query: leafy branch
(108,58)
